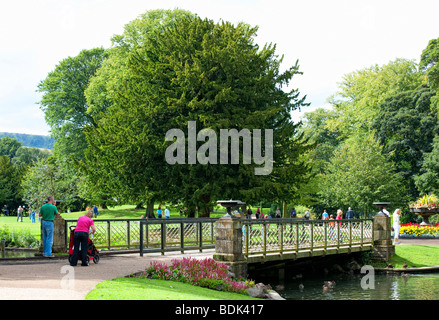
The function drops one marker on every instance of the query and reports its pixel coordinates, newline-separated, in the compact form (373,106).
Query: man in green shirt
(47,214)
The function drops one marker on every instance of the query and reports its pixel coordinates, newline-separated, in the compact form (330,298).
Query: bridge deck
(305,253)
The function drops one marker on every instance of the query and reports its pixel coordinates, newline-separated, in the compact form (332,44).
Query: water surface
(349,287)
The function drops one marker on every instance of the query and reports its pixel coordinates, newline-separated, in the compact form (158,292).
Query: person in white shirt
(396,225)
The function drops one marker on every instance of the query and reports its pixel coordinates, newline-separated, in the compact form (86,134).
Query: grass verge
(151,289)
(414,256)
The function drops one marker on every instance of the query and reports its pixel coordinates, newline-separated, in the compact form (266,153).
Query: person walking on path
(293,213)
(95,211)
(80,238)
(325,215)
(20,213)
(48,212)
(396,225)
(167,213)
(258,213)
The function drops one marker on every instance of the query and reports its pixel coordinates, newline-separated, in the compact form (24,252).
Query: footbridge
(239,241)
(287,239)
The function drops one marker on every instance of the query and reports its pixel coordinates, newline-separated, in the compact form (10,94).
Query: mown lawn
(119,212)
(150,289)
(415,256)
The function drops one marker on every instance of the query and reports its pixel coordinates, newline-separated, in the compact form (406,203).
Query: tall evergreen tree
(215,75)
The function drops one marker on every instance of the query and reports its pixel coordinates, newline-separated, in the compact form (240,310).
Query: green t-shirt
(48,212)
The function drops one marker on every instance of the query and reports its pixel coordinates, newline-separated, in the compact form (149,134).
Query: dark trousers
(80,238)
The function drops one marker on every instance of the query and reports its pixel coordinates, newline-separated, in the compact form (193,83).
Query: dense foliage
(110,110)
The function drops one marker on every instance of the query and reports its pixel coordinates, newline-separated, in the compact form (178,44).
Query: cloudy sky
(329,38)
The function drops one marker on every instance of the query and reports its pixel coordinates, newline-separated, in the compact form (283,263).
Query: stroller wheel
(70,258)
(96,258)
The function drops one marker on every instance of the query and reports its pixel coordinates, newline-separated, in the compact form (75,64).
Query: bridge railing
(112,233)
(153,235)
(262,237)
(177,235)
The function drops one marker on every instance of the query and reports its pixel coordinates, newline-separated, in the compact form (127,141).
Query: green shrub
(21,238)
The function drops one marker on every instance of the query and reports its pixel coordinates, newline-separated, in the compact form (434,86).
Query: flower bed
(204,273)
(426,202)
(415,230)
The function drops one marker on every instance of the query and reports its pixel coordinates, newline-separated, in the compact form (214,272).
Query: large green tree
(361,93)
(430,66)
(48,176)
(102,175)
(64,104)
(215,75)
(406,126)
(9,147)
(10,177)
(428,179)
(358,175)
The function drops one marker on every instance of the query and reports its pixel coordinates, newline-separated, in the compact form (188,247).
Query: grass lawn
(416,256)
(12,225)
(149,289)
(119,212)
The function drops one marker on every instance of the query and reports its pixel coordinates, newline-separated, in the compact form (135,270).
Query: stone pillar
(59,236)
(383,249)
(228,245)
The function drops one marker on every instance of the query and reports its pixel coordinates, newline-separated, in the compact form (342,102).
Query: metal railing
(152,235)
(262,237)
(177,235)
(112,233)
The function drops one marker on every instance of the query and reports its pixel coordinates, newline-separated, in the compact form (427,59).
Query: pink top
(338,218)
(84,224)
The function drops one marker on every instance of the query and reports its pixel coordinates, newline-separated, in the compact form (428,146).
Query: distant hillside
(30,140)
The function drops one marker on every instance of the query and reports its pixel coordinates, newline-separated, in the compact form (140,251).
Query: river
(349,287)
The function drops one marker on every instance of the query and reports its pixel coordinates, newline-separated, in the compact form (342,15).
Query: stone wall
(228,245)
(383,249)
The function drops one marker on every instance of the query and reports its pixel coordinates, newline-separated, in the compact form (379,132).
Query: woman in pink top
(81,238)
(339,217)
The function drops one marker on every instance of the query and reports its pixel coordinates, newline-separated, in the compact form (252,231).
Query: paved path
(49,279)
(426,242)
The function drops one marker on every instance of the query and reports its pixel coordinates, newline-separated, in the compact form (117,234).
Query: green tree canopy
(213,74)
(358,175)
(9,147)
(430,66)
(10,189)
(406,126)
(362,92)
(64,104)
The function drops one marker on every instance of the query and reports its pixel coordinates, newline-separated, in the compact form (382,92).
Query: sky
(330,38)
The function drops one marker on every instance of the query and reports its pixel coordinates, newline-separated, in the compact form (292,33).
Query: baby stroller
(92,252)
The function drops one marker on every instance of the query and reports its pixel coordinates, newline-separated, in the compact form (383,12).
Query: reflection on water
(348,287)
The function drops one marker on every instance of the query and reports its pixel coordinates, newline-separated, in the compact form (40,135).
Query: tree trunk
(284,209)
(150,210)
(139,206)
